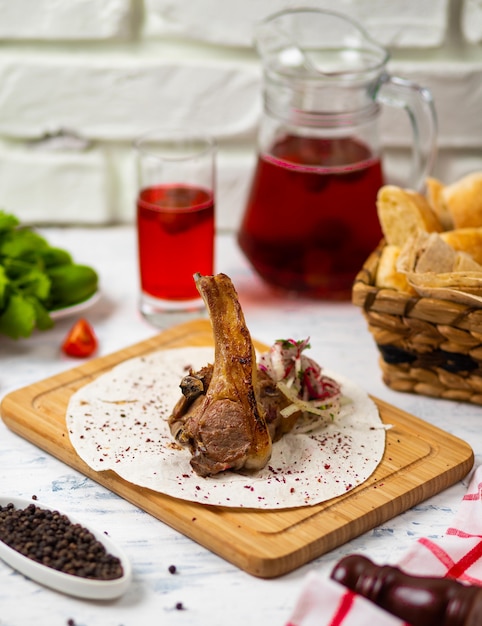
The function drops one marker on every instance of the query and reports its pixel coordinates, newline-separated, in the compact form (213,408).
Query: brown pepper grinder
(418,600)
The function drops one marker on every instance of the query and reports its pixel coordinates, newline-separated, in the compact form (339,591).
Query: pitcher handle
(419,105)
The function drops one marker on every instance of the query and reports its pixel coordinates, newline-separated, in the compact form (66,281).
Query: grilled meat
(195,385)
(219,416)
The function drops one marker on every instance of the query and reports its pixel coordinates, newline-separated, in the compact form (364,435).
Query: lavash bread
(428,253)
(403,212)
(432,268)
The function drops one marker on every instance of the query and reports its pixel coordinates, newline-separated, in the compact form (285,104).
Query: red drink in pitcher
(176,239)
(311,218)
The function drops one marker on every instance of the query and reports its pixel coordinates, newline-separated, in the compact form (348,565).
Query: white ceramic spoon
(67,583)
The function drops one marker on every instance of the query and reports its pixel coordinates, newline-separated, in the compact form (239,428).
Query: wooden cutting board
(420,460)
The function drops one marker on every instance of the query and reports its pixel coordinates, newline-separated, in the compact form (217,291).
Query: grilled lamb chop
(195,385)
(220,417)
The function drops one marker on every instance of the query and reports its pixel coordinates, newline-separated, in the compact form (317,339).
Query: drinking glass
(175,222)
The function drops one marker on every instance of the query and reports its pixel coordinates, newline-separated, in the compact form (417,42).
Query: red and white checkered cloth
(458,555)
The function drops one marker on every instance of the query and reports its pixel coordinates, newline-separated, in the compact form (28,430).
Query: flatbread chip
(464,287)
(453,295)
(429,253)
(435,242)
(403,213)
(435,198)
(426,252)
(434,269)
(465,263)
(463,200)
(434,255)
(388,276)
(463,281)
(468,240)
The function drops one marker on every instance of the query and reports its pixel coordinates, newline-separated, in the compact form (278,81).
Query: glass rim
(156,142)
(381,54)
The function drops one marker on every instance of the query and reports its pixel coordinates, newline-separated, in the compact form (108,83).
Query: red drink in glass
(175,239)
(311,218)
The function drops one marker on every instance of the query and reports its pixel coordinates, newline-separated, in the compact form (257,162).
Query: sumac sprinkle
(50,538)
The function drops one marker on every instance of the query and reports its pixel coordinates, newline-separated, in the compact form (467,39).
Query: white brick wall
(398,22)
(54,20)
(472,20)
(103,71)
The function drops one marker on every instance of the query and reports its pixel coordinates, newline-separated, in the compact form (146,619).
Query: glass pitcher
(311,221)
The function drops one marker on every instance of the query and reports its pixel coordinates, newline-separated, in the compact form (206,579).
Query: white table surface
(211,590)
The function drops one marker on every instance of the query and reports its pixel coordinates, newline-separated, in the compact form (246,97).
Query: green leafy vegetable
(70,283)
(36,278)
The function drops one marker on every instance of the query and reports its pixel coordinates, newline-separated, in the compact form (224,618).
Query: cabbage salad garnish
(301,380)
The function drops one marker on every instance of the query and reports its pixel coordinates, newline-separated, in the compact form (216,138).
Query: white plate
(74,309)
(67,583)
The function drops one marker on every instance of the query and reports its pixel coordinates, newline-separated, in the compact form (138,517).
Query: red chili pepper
(80,341)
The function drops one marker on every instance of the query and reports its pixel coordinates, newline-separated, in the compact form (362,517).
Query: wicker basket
(427,346)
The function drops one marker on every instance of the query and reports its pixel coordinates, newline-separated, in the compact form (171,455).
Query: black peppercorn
(51,539)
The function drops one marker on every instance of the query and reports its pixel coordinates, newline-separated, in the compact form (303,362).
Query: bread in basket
(421,289)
